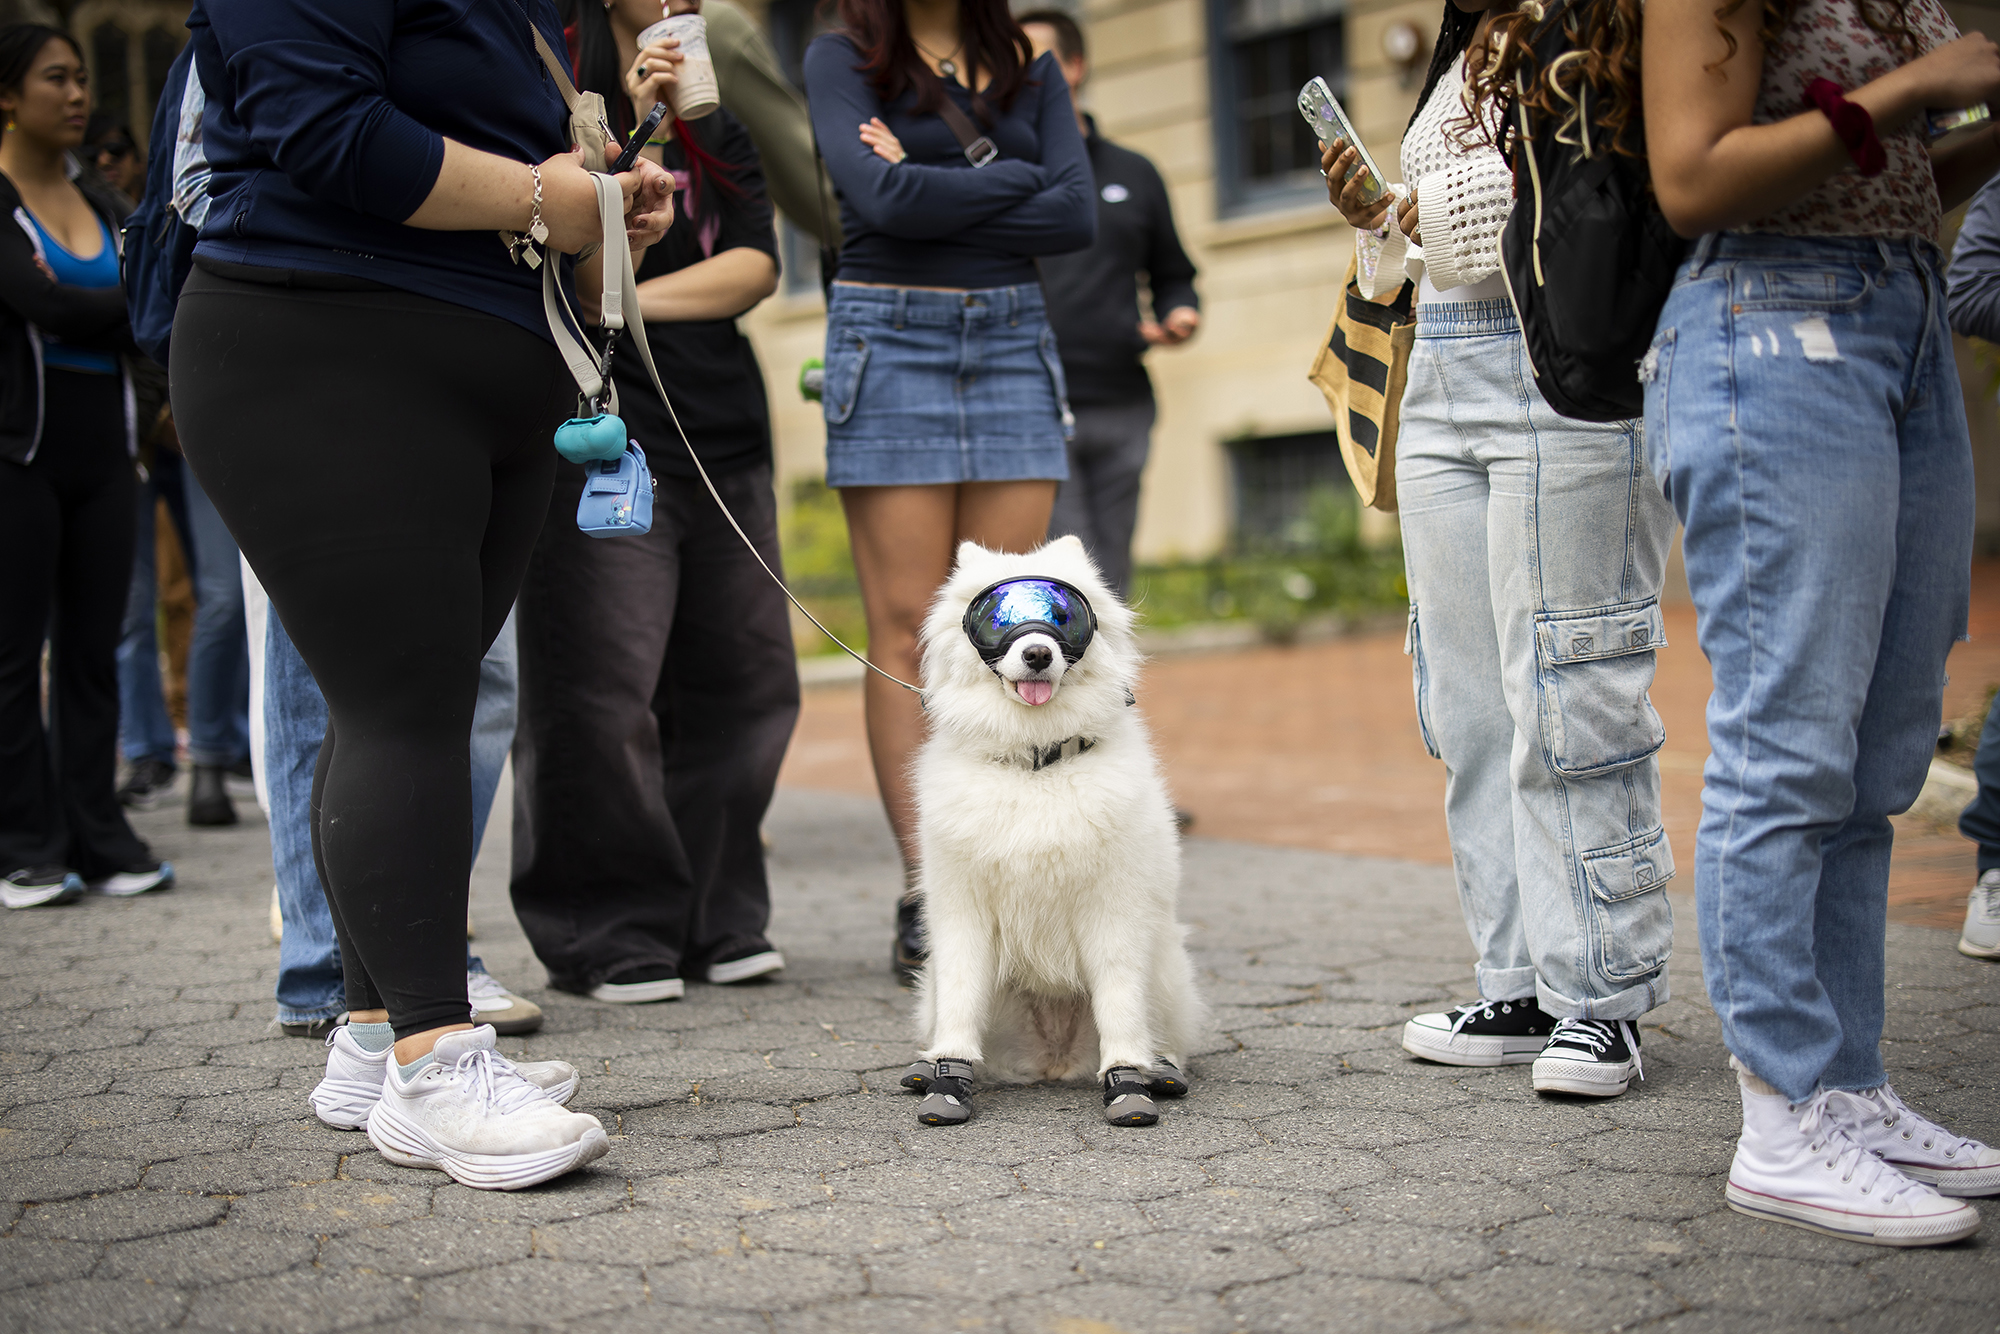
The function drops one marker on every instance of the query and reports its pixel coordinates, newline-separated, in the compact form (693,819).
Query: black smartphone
(639,138)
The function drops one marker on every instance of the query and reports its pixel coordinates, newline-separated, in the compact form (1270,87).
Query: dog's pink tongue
(1036,692)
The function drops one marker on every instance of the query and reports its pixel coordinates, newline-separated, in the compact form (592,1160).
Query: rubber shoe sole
(1586,1079)
(125,884)
(1972,951)
(1933,1230)
(1971,1183)
(42,896)
(639,993)
(1447,1048)
(744,969)
(407,1145)
(345,1104)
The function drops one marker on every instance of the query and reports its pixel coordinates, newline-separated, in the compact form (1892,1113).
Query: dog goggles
(1004,612)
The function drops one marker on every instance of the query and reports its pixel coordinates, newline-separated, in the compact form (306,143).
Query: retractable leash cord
(621,289)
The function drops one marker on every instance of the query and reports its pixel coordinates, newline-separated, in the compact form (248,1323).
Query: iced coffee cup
(694,92)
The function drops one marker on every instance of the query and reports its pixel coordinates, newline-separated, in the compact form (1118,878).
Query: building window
(1282,486)
(1265,155)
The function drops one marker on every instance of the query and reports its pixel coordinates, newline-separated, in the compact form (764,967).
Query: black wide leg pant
(659,688)
(67,523)
(384,462)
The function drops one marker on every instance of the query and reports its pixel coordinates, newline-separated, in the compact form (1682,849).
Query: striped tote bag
(1361,368)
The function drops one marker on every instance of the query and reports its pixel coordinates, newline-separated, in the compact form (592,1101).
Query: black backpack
(1587,254)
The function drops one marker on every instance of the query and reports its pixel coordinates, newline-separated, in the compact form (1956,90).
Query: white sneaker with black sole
(750,966)
(41,887)
(1481,1032)
(471,1114)
(1594,1058)
(141,879)
(1800,1166)
(352,1085)
(1915,1145)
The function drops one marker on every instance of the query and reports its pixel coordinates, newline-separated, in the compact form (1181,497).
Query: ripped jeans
(1803,414)
(1535,547)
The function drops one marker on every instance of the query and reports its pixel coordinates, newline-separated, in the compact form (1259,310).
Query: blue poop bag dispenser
(617,495)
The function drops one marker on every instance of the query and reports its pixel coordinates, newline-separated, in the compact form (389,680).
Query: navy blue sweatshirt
(326,123)
(933,220)
(1974,279)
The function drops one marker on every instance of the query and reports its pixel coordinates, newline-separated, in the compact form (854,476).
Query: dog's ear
(968,551)
(1069,542)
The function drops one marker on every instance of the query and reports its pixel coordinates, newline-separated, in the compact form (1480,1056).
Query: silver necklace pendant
(946,68)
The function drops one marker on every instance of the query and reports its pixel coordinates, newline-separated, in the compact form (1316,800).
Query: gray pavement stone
(767,1174)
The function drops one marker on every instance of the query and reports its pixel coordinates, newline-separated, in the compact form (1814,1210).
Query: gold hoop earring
(10,124)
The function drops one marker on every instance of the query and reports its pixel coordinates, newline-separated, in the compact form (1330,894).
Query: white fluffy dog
(1050,861)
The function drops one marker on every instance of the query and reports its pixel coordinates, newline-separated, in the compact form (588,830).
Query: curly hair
(1604,41)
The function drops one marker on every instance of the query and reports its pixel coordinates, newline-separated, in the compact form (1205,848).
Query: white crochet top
(1463,195)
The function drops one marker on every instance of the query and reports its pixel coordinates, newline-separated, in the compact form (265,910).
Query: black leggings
(384,461)
(67,517)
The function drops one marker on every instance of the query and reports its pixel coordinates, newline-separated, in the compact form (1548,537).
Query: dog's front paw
(1127,1101)
(1165,1080)
(948,1101)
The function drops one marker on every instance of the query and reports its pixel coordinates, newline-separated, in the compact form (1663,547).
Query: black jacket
(1093,294)
(30,303)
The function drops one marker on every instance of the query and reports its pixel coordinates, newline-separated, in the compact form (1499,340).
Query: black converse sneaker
(1481,1032)
(1596,1058)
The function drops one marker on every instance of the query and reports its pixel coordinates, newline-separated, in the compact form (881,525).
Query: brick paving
(158,1168)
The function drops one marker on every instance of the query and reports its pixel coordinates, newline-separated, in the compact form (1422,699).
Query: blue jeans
(1803,415)
(219,657)
(1980,821)
(1535,546)
(145,732)
(309,974)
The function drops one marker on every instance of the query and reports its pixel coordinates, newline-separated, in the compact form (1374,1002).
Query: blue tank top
(100,270)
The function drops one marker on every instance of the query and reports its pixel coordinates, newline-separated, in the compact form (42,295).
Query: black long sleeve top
(934,220)
(1094,294)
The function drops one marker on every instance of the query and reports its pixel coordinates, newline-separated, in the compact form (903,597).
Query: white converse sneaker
(352,1084)
(1594,1058)
(471,1115)
(1800,1166)
(1981,937)
(1916,1146)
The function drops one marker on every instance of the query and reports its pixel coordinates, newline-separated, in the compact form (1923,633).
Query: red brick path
(1317,747)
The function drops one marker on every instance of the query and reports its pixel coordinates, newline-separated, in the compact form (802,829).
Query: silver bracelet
(522,245)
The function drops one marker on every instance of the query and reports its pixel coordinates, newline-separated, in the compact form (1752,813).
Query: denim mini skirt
(924,388)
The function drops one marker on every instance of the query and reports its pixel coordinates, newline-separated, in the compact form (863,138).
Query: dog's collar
(1041,757)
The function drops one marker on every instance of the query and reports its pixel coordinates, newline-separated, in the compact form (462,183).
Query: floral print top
(1828,39)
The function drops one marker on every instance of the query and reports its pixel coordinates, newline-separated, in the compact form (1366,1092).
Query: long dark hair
(600,69)
(20,43)
(1454,35)
(992,41)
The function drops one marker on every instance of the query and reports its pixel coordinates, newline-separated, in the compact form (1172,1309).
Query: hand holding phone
(1329,122)
(639,138)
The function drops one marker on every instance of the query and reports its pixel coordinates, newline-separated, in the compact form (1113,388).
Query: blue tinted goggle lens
(1043,604)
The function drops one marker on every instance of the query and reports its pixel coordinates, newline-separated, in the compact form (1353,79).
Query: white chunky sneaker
(1915,1145)
(493,1004)
(1800,1166)
(1595,1058)
(471,1115)
(1481,1032)
(1981,937)
(352,1084)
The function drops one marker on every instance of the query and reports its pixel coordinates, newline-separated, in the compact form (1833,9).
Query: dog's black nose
(1038,657)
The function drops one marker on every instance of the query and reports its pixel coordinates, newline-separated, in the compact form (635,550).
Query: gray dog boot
(948,1102)
(1126,1101)
(1165,1080)
(918,1077)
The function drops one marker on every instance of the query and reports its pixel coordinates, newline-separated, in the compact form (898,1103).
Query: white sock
(1750,1081)
(372,1038)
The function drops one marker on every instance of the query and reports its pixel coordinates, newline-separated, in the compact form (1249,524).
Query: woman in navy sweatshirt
(366,386)
(944,399)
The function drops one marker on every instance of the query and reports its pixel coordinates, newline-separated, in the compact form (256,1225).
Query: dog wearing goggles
(1050,865)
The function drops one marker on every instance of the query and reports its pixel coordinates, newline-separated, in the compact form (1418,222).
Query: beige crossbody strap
(563,85)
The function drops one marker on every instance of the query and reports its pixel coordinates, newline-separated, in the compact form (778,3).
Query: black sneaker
(1481,1032)
(1595,1058)
(908,954)
(40,887)
(209,805)
(146,782)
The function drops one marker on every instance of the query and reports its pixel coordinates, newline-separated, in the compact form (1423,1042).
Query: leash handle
(621,293)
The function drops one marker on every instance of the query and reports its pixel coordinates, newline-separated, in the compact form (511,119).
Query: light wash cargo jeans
(1535,546)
